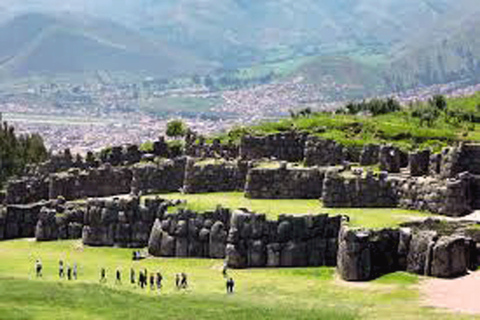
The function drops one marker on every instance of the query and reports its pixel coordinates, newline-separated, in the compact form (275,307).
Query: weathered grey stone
(167,248)
(257,256)
(294,254)
(218,239)
(155,239)
(234,258)
(418,251)
(448,257)
(273,255)
(354,255)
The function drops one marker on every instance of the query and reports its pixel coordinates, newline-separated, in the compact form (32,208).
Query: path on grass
(458,295)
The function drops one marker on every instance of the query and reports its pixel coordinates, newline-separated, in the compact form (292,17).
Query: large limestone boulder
(448,257)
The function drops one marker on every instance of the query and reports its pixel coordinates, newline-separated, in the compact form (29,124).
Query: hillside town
(91,117)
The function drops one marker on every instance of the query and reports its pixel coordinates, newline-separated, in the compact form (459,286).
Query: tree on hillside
(176,128)
(18,151)
(439,102)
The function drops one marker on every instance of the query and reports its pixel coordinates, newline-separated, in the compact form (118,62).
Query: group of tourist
(68,272)
(144,278)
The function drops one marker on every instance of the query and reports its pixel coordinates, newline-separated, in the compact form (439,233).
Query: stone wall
(419,163)
(465,157)
(447,197)
(102,182)
(360,191)
(164,176)
(198,148)
(27,189)
(284,183)
(322,152)
(215,176)
(291,241)
(58,221)
(189,234)
(120,222)
(18,221)
(370,154)
(283,146)
(390,159)
(367,254)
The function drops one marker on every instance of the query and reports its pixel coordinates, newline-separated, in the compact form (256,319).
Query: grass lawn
(299,293)
(364,217)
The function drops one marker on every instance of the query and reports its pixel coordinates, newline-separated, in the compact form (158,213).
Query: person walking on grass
(177,281)
(132,276)
(159,281)
(38,268)
(230,285)
(118,277)
(69,272)
(152,282)
(103,275)
(75,271)
(61,272)
(183,282)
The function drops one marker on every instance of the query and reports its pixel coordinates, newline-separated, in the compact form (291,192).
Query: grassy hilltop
(432,124)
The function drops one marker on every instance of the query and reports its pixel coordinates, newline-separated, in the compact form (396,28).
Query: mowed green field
(297,293)
(300,293)
(364,217)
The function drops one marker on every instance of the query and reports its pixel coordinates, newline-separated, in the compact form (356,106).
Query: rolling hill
(43,44)
(450,52)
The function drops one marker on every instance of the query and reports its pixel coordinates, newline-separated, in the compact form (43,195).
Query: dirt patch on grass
(456,295)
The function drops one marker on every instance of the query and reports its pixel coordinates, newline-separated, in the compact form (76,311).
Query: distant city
(90,117)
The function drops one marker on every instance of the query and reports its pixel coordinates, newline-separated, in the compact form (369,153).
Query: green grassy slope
(364,217)
(299,293)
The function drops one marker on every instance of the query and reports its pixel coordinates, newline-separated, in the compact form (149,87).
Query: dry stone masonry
(284,183)
(215,176)
(291,241)
(367,254)
(189,234)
